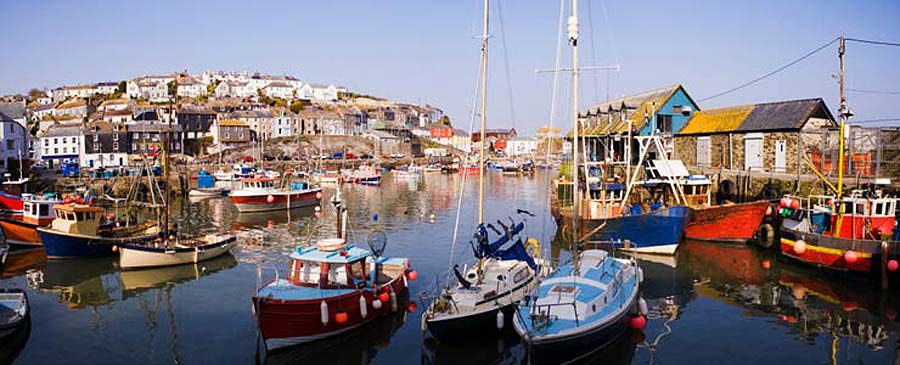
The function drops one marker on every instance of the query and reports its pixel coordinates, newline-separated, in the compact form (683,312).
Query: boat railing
(259,271)
(541,319)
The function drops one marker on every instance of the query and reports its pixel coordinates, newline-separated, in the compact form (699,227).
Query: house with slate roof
(771,137)
(13,119)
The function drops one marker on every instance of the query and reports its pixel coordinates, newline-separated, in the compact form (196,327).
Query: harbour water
(712,303)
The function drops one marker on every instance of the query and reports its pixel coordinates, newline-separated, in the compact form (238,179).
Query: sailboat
(170,249)
(484,298)
(588,303)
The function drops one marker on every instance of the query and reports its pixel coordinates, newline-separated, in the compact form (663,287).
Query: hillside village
(110,124)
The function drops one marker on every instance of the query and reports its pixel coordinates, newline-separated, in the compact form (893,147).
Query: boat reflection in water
(137,281)
(856,317)
(359,346)
(81,283)
(19,262)
(247,221)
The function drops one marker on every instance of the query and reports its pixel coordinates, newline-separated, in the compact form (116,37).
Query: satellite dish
(377,242)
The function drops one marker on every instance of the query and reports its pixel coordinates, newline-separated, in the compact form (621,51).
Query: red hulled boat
(21,230)
(261,195)
(727,222)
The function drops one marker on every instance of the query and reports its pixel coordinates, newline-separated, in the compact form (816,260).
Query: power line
(878,120)
(868,41)
(882,92)
(763,77)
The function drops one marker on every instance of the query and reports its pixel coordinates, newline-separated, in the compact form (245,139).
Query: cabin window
(79,216)
(357,270)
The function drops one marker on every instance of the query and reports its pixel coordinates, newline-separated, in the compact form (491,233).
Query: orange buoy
(411,307)
(270,199)
(319,195)
(341,317)
(412,275)
(766,264)
(384,297)
(115,249)
(799,247)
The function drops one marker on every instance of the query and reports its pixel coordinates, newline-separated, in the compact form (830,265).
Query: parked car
(396,155)
(337,156)
(351,156)
(366,156)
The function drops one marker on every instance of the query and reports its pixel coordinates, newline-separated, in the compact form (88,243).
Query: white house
(320,92)
(234,89)
(278,89)
(107,88)
(77,107)
(461,140)
(62,143)
(152,88)
(284,123)
(13,133)
(521,146)
(43,110)
(116,104)
(79,91)
(190,87)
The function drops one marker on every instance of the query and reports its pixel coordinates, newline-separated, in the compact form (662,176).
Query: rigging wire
(772,73)
(554,91)
(593,49)
(869,41)
(612,43)
(880,92)
(462,185)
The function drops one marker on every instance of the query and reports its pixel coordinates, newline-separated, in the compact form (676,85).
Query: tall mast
(844,114)
(166,148)
(484,49)
(572,29)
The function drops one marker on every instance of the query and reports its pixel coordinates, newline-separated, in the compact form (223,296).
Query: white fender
(393,301)
(500,320)
(642,306)
(363,306)
(324,309)
(640,273)
(376,304)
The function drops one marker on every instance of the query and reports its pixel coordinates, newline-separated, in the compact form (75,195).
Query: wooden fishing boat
(10,204)
(260,195)
(22,232)
(327,177)
(580,308)
(14,311)
(78,231)
(728,222)
(331,288)
(858,240)
(176,251)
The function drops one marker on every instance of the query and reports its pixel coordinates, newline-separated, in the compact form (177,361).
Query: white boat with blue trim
(580,308)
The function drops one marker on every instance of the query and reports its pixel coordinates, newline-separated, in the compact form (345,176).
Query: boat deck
(285,290)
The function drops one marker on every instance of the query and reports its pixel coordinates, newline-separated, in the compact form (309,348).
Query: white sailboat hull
(132,258)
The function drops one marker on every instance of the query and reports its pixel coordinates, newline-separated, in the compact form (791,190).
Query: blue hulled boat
(654,232)
(580,308)
(78,231)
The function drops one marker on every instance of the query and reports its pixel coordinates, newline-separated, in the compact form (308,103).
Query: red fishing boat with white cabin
(727,222)
(259,194)
(21,231)
(331,288)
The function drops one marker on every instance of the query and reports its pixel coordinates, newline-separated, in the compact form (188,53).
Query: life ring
(331,244)
(533,247)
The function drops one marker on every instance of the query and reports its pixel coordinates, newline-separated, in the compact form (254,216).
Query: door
(753,144)
(780,155)
(703,146)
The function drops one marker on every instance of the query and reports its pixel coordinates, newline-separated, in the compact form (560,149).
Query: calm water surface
(710,304)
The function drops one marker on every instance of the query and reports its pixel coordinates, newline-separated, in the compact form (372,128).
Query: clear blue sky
(424,51)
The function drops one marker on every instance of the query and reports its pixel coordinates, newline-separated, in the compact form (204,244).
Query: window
(55,140)
(96,146)
(65,149)
(676,109)
(664,123)
(227,136)
(116,146)
(115,137)
(10,144)
(74,140)
(55,150)
(46,143)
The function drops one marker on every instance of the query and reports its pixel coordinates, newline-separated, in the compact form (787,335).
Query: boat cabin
(330,264)
(864,217)
(697,191)
(258,183)
(38,211)
(77,218)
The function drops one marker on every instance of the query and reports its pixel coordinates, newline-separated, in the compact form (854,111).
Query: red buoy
(893,265)
(638,322)
(319,195)
(766,264)
(412,275)
(340,317)
(795,204)
(270,199)
(411,307)
(850,257)
(67,200)
(384,297)
(79,200)
(344,253)
(849,306)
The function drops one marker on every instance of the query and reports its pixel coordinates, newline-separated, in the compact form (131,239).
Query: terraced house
(773,137)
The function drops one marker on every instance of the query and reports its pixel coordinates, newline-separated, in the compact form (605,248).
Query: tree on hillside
(445,120)
(123,87)
(173,88)
(297,106)
(34,94)
(211,88)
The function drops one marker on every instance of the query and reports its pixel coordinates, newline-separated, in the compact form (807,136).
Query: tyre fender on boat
(765,236)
